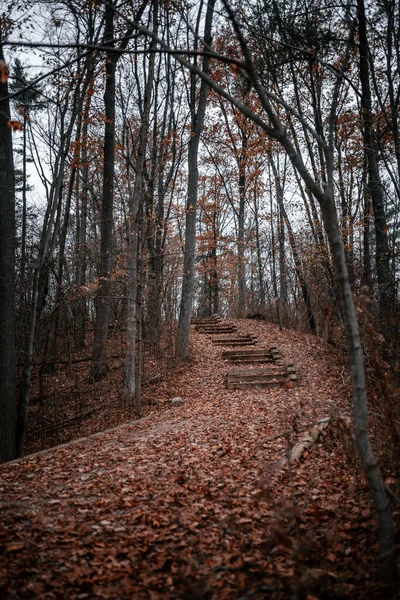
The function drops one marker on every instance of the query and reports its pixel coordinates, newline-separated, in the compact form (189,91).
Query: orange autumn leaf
(3,72)
(15,125)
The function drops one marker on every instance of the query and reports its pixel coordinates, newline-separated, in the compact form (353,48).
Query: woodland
(173,173)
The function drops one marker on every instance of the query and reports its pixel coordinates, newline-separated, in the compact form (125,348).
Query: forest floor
(193,502)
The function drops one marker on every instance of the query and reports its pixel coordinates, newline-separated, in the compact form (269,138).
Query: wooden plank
(233,342)
(255,360)
(248,352)
(292,374)
(257,378)
(259,371)
(254,386)
(216,329)
(234,338)
(200,320)
(216,326)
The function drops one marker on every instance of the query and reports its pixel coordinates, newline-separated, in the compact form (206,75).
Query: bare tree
(197,104)
(8,403)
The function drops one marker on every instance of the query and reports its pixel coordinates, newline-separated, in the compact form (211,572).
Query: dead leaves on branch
(4,72)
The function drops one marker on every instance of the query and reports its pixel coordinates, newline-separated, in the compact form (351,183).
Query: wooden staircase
(236,340)
(267,377)
(248,351)
(253,356)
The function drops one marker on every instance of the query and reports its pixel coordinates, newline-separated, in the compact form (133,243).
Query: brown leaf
(4,72)
(15,125)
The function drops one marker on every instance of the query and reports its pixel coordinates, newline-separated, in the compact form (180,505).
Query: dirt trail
(191,503)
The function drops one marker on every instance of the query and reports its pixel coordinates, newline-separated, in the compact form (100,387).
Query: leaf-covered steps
(213,325)
(236,340)
(274,374)
(253,356)
(206,320)
(266,377)
(217,328)
(227,332)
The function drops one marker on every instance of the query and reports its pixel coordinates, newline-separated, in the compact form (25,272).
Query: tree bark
(81,231)
(99,367)
(8,403)
(296,255)
(133,314)
(374,185)
(197,121)
(241,226)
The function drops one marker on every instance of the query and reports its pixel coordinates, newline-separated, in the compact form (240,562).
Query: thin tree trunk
(274,278)
(214,276)
(241,227)
(185,313)
(136,205)
(48,239)
(99,367)
(8,406)
(81,234)
(374,187)
(296,255)
(260,270)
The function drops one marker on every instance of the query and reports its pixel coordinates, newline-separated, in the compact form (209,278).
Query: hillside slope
(193,502)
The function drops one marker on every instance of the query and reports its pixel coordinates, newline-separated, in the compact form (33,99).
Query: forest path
(191,502)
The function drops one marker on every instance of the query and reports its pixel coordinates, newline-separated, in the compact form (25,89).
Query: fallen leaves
(193,503)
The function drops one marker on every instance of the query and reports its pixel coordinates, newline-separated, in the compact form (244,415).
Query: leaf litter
(195,501)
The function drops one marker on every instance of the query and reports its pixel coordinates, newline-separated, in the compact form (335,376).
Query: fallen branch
(152,380)
(74,361)
(289,431)
(306,442)
(78,418)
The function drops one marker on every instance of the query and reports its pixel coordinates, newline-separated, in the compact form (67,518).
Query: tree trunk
(197,121)
(360,411)
(296,255)
(374,185)
(8,403)
(260,270)
(99,368)
(241,227)
(81,232)
(131,370)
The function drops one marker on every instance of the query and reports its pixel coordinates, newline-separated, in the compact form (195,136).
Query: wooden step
(251,360)
(234,341)
(247,352)
(254,355)
(255,374)
(265,377)
(292,374)
(206,320)
(260,385)
(214,329)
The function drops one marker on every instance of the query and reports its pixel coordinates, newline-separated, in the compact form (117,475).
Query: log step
(261,378)
(251,360)
(253,385)
(253,356)
(249,352)
(234,341)
(214,329)
(206,320)
(255,374)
